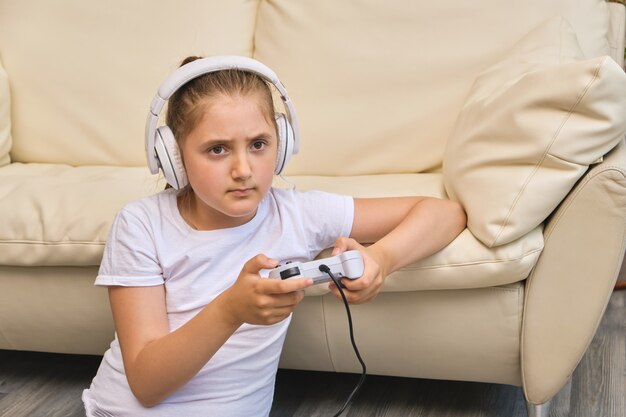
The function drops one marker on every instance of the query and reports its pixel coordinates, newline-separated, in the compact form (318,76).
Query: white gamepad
(345,265)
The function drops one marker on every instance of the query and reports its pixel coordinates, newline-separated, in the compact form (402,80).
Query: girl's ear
(285,142)
(169,158)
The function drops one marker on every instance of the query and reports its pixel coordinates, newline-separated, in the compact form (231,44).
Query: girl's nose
(241,167)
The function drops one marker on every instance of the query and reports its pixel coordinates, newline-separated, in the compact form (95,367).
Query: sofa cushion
(464,263)
(378,85)
(529,129)
(57,215)
(83,73)
(5,117)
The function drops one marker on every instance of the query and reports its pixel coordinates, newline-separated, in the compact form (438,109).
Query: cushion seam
(326,338)
(473,263)
(54,243)
(547,150)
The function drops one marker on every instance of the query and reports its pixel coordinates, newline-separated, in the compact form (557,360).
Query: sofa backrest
(377,85)
(83,73)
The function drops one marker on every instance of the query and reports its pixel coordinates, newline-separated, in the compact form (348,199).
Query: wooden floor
(49,385)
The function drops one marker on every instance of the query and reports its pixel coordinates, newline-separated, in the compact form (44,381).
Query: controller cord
(326,269)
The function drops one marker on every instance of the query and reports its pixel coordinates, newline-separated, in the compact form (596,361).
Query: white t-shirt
(150,244)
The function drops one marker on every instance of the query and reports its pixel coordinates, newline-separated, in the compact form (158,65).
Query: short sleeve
(325,217)
(129,254)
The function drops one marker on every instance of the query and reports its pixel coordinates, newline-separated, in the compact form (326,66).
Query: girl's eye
(217,150)
(258,145)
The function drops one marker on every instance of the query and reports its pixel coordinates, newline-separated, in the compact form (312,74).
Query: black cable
(326,269)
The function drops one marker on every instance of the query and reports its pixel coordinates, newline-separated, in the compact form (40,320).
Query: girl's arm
(158,362)
(404,229)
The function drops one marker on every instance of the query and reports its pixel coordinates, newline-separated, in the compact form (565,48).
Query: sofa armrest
(571,284)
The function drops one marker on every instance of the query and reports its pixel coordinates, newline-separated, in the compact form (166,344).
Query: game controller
(345,265)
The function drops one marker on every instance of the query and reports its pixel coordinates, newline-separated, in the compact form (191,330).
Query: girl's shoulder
(152,205)
(286,197)
(293,196)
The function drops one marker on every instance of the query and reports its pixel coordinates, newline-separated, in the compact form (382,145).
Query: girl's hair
(186,106)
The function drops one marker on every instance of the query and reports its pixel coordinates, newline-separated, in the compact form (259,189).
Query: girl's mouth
(241,192)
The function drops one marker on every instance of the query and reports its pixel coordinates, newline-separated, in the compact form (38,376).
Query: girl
(198,330)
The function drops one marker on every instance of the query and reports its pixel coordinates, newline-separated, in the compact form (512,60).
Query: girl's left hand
(367,287)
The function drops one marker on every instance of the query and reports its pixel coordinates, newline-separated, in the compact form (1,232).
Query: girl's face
(229,158)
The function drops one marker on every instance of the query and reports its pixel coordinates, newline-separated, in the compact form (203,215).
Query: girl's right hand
(255,300)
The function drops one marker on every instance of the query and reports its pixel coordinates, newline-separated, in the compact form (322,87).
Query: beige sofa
(466,100)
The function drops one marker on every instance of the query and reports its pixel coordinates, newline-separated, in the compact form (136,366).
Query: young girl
(199,327)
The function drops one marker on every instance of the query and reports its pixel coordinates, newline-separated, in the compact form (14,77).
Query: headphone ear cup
(285,142)
(169,158)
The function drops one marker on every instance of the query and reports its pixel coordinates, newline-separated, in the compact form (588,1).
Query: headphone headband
(202,66)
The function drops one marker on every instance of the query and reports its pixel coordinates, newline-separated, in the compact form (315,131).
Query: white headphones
(161,148)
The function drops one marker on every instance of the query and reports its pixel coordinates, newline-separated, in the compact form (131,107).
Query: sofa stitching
(330,356)
(256,24)
(498,289)
(41,242)
(521,305)
(472,263)
(547,150)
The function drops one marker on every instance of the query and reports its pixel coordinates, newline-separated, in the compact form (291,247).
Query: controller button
(291,272)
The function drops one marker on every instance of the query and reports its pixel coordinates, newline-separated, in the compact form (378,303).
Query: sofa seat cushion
(464,263)
(58,215)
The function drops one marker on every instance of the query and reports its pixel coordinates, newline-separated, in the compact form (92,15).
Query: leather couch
(512,108)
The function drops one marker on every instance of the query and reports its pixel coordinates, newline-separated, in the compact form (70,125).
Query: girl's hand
(256,300)
(368,286)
